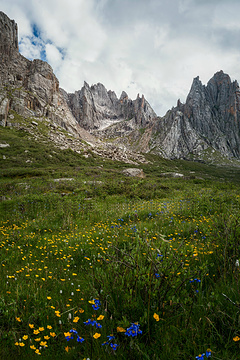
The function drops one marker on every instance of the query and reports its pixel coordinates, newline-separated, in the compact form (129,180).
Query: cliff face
(94,106)
(29,87)
(209,119)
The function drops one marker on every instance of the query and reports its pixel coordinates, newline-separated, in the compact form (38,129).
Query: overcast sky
(150,47)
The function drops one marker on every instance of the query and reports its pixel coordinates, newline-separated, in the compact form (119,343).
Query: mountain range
(205,128)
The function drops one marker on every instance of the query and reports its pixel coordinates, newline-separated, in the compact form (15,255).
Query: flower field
(133,279)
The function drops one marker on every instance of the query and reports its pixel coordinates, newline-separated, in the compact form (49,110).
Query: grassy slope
(109,230)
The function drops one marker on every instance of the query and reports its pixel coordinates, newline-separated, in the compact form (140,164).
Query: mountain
(206,127)
(210,120)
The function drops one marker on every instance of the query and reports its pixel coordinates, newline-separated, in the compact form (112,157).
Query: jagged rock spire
(8,36)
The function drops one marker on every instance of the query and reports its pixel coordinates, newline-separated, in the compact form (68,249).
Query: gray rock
(134,172)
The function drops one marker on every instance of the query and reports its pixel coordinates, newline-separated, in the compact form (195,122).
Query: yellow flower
(49,327)
(38,339)
(31,326)
(25,337)
(236,338)
(67,349)
(21,344)
(101,317)
(52,334)
(43,343)
(46,337)
(120,329)
(49,297)
(66,334)
(36,332)
(37,351)
(96,335)
(16,343)
(81,311)
(75,320)
(18,319)
(156,317)
(32,347)
(91,302)
(41,329)
(57,313)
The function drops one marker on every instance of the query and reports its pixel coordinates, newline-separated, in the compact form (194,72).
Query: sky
(150,47)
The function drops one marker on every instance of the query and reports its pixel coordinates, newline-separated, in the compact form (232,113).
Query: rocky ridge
(112,127)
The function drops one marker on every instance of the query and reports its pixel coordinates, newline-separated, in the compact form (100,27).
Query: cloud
(154,47)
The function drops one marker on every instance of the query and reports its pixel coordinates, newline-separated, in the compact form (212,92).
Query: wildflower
(237,263)
(37,351)
(76,319)
(36,332)
(46,337)
(114,346)
(49,297)
(200,357)
(49,327)
(236,338)
(120,329)
(156,317)
(31,326)
(80,339)
(90,322)
(133,330)
(157,275)
(43,343)
(110,337)
(96,335)
(96,305)
(38,339)
(18,319)
(52,334)
(25,337)
(101,317)
(208,353)
(32,347)
(17,343)
(41,329)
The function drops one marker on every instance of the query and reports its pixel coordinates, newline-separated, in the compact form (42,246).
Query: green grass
(159,252)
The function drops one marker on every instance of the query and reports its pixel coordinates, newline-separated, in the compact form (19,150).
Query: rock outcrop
(29,88)
(95,108)
(210,119)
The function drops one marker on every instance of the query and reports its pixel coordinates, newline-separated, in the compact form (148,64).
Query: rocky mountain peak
(8,36)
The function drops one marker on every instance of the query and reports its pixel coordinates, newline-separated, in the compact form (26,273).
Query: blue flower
(157,275)
(96,305)
(133,330)
(200,357)
(110,337)
(105,343)
(80,339)
(90,322)
(114,346)
(208,353)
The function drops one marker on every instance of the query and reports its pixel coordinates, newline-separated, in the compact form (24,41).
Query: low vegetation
(97,265)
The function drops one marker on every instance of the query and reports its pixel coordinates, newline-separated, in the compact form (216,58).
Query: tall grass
(167,265)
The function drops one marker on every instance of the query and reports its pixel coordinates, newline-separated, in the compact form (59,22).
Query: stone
(134,172)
